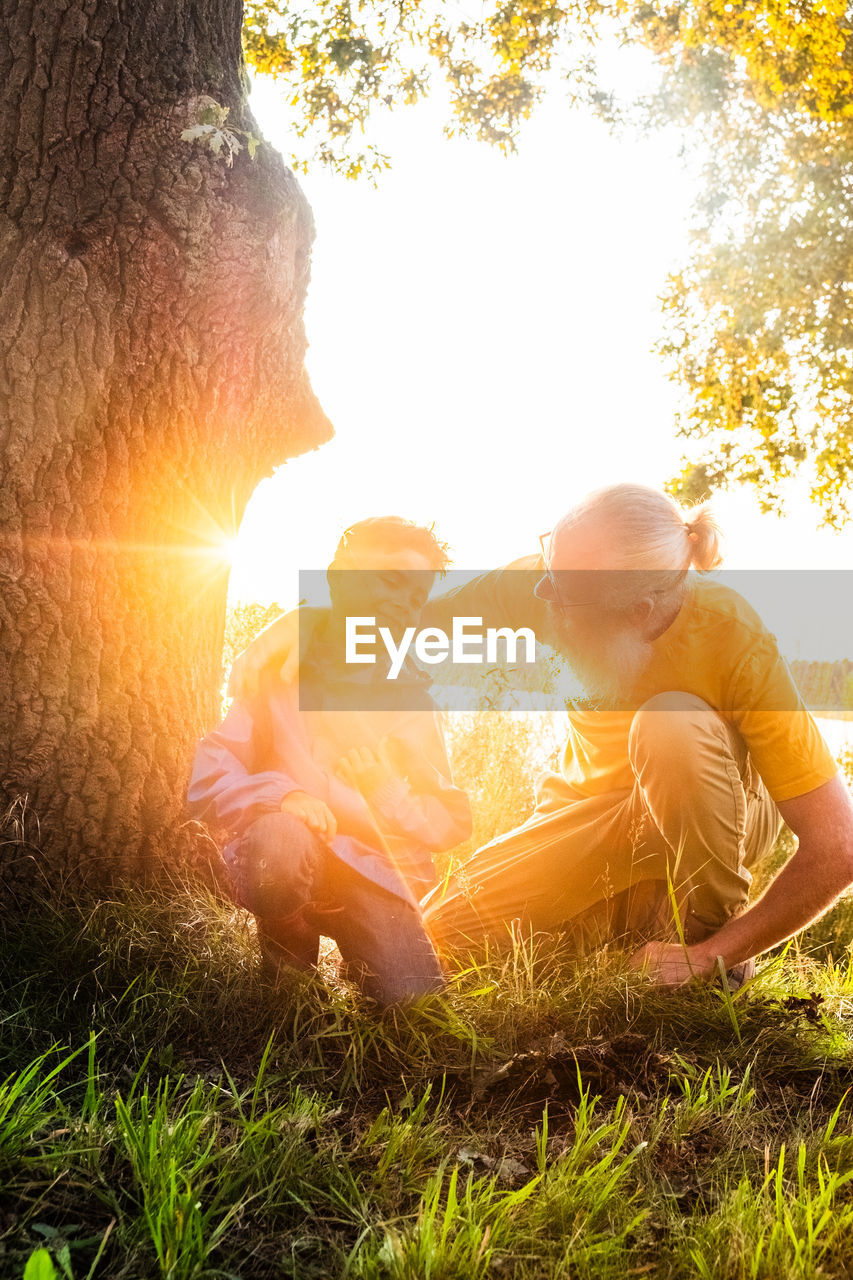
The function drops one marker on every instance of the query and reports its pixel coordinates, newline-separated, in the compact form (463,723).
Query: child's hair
(390,533)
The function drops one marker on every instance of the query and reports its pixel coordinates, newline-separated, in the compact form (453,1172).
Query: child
(334,812)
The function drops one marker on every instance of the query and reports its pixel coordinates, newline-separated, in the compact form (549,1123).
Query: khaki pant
(697,818)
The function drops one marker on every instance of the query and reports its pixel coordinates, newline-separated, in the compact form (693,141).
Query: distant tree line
(825,686)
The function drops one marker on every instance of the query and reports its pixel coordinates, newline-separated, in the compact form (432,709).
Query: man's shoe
(740,973)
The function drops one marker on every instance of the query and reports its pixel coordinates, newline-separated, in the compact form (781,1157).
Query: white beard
(606,664)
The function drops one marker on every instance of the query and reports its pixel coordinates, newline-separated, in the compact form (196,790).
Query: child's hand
(367,770)
(315,813)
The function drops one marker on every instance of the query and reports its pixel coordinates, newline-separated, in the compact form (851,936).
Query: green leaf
(213,113)
(40,1266)
(197,131)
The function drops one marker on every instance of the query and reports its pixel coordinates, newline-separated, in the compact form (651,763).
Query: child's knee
(274,832)
(277,865)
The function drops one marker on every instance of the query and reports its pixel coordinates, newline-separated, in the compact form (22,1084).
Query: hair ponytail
(703,538)
(648,529)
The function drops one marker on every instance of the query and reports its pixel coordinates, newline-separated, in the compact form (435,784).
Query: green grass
(165,1111)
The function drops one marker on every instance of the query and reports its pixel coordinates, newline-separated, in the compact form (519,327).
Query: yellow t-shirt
(718,649)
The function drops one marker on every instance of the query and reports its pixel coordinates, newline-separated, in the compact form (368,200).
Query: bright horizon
(481,330)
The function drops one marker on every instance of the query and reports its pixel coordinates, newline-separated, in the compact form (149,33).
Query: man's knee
(671,731)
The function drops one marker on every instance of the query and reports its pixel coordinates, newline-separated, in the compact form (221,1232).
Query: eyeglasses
(556,595)
(621,588)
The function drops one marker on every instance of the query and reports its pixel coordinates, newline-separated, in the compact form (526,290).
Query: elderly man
(690,748)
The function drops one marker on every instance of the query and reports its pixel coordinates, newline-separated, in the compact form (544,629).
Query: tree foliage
(758,322)
(339,60)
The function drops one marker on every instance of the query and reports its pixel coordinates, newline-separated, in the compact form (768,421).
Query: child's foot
(287,944)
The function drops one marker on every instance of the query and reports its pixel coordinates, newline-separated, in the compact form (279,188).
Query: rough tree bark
(151,373)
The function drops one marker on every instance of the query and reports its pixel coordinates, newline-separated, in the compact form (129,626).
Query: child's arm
(223,787)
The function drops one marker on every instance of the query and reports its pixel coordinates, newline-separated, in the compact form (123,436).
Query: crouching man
(335,789)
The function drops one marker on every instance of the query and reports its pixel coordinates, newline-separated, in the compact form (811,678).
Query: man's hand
(366,770)
(807,885)
(315,813)
(669,964)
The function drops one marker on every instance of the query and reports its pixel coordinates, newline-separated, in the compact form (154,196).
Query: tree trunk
(151,373)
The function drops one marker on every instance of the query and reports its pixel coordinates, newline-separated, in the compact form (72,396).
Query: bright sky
(481,331)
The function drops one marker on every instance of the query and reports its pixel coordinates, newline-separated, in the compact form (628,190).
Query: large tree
(151,373)
(153,263)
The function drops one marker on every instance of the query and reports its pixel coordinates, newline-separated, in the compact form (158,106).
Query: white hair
(648,529)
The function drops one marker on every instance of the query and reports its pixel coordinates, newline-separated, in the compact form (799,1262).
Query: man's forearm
(802,891)
(502,597)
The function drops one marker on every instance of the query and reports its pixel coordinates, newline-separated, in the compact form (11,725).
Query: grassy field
(166,1111)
